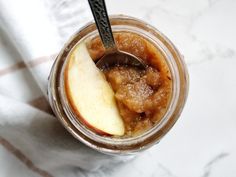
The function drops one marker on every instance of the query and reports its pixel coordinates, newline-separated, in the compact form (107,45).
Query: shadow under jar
(146,42)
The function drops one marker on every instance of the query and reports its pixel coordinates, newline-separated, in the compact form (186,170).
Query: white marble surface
(203,142)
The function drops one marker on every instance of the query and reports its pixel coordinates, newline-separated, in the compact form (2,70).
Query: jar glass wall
(128,145)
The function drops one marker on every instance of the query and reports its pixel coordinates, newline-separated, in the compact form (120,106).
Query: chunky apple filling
(142,96)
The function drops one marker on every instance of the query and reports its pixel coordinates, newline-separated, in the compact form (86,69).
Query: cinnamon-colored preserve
(142,96)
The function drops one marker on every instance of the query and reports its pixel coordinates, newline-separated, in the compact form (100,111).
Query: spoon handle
(98,8)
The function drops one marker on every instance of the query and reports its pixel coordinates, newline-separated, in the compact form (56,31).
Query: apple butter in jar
(142,96)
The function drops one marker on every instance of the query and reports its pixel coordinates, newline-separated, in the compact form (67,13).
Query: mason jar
(128,145)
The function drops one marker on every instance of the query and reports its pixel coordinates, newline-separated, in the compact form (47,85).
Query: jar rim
(118,145)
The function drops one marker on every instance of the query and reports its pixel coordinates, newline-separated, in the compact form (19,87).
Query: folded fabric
(37,29)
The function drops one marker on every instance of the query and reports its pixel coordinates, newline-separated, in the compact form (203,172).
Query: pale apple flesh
(90,95)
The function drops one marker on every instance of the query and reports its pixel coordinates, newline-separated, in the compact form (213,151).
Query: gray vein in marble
(167,171)
(104,171)
(206,52)
(212,2)
(217,54)
(212,162)
(209,54)
(110,168)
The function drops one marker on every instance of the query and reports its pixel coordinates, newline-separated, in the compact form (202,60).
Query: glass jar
(108,145)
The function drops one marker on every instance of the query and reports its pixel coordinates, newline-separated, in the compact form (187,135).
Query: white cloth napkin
(37,29)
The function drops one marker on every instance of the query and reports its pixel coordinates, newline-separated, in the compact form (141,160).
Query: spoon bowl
(119,58)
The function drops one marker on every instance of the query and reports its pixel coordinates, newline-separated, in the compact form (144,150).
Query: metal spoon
(113,56)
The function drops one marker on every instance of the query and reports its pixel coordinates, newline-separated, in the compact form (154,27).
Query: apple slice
(90,95)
